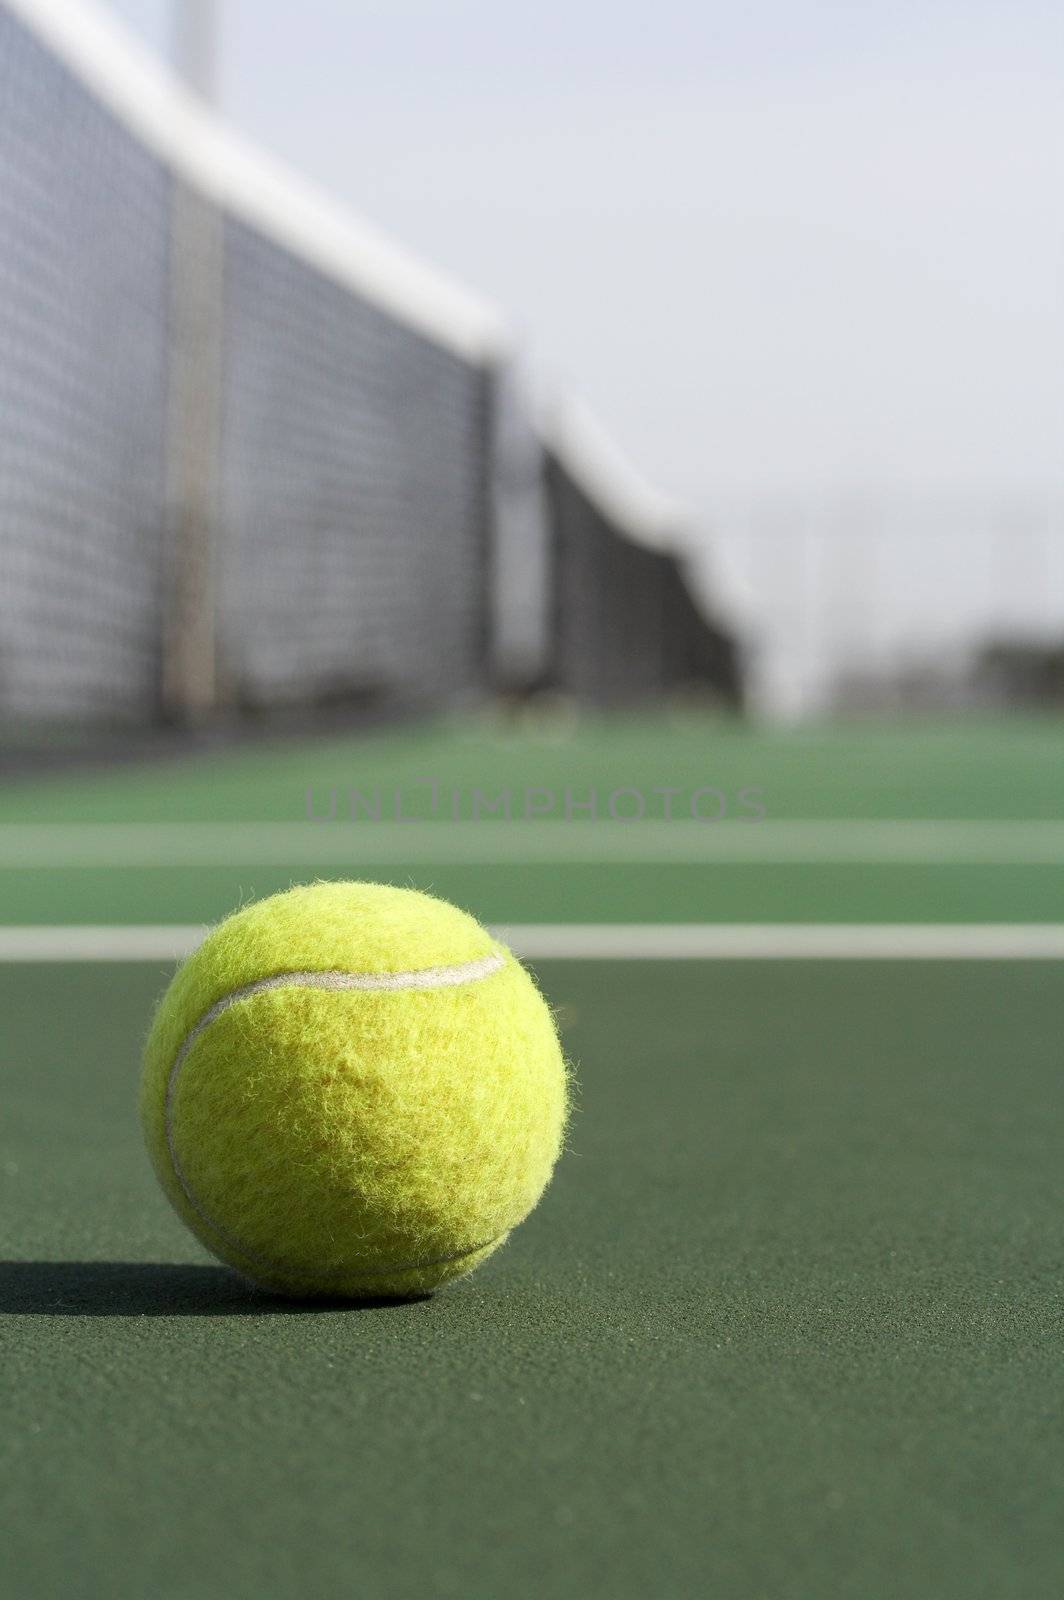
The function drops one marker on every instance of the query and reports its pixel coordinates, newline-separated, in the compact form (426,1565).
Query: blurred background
(258,458)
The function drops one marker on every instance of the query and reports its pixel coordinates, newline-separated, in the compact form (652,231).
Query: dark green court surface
(789,1322)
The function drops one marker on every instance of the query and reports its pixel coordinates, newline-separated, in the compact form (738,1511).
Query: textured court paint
(787,1324)
(352,1089)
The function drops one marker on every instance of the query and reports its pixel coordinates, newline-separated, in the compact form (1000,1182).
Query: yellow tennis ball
(353,1090)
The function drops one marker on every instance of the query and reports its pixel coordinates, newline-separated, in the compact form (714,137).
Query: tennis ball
(353,1090)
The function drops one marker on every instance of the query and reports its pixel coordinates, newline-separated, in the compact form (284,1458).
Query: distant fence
(884,600)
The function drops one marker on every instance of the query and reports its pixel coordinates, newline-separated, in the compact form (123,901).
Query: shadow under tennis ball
(150,1289)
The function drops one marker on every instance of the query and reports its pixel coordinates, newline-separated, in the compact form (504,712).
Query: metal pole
(190,675)
(195,47)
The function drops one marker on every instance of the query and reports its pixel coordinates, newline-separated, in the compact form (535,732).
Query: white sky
(785,249)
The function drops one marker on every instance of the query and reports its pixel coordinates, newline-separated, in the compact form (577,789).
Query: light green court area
(1007,770)
(599,869)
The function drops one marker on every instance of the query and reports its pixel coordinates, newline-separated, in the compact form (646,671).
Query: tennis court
(788,1321)
(317,563)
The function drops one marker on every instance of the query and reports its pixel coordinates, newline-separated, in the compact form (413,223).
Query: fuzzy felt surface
(352,1142)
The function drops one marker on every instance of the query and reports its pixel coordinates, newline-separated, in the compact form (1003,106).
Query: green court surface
(788,1325)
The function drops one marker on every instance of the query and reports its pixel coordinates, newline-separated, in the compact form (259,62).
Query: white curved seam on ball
(375,982)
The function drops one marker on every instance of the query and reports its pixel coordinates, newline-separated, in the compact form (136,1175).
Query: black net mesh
(625,624)
(700,651)
(83,286)
(354,492)
(353,451)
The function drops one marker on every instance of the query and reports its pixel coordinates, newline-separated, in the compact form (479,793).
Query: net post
(194,408)
(190,668)
(488,426)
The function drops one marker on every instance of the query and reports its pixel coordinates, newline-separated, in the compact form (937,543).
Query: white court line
(290,845)
(95,942)
(617,942)
(787,941)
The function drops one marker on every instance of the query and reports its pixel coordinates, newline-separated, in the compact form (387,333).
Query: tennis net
(253,455)
(626,625)
(179,323)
